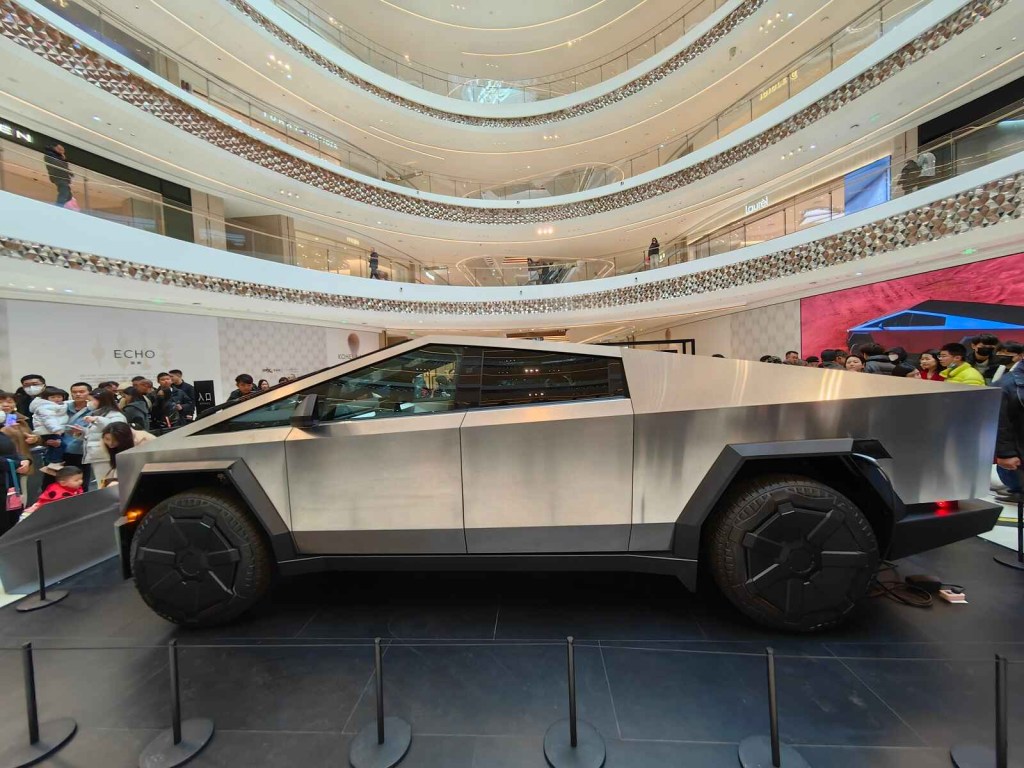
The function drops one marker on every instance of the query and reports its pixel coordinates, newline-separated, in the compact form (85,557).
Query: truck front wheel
(791,552)
(200,559)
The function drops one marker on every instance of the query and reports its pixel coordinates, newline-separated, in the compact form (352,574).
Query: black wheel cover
(793,553)
(195,557)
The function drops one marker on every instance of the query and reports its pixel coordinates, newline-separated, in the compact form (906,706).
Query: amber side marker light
(133,514)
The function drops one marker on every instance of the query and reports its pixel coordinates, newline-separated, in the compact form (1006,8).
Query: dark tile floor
(476,662)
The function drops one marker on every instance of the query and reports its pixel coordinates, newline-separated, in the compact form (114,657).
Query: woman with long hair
(930,365)
(103,412)
(118,437)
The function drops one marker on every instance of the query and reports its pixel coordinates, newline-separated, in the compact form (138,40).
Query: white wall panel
(72,342)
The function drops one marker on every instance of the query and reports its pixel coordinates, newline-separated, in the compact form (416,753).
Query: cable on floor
(896,589)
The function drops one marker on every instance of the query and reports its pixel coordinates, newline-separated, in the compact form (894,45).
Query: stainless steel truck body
(784,486)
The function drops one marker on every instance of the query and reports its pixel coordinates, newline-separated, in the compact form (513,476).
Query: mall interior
(496,384)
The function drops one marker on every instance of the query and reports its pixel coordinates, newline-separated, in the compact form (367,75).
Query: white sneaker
(54,466)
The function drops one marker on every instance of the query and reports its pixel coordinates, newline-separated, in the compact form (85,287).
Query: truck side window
(421,381)
(521,377)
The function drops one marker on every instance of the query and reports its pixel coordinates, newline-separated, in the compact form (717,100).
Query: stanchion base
(1010,561)
(974,756)
(756,752)
(34,603)
(365,752)
(52,736)
(162,752)
(588,753)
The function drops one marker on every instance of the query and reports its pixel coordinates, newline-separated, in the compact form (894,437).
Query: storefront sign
(289,126)
(754,207)
(777,86)
(16,133)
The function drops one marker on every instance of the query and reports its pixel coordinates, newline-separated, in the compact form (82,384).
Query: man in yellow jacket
(957,370)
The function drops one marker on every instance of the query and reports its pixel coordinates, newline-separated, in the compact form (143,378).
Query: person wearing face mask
(984,361)
(1005,358)
(32,385)
(1010,437)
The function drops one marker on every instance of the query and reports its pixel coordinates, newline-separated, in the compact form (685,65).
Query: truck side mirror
(304,416)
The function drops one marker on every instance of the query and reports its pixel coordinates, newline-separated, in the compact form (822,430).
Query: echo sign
(756,206)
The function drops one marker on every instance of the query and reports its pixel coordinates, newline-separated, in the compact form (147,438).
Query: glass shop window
(421,381)
(526,377)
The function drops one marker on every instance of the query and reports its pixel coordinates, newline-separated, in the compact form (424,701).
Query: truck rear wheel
(200,559)
(791,552)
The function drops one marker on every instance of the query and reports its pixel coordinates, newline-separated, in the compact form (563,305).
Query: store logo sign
(778,85)
(134,354)
(754,207)
(15,133)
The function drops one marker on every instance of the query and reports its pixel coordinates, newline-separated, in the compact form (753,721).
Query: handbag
(14,501)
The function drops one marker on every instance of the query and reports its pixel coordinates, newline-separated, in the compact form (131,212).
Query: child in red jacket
(68,484)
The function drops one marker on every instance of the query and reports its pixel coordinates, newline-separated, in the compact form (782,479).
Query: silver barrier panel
(77,533)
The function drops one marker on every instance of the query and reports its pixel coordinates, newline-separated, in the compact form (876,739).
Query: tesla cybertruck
(782,487)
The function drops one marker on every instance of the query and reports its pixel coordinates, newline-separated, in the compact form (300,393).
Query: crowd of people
(57,443)
(984,361)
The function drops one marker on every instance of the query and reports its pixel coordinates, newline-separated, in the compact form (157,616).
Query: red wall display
(826,320)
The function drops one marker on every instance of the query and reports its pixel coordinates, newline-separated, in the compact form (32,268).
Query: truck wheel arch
(159,481)
(837,462)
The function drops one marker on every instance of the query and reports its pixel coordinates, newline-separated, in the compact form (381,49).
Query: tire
(200,558)
(790,552)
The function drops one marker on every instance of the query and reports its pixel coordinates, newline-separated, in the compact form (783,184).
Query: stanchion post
(378,664)
(29,668)
(1002,735)
(760,752)
(43,740)
(172,651)
(1016,562)
(773,711)
(573,743)
(40,571)
(41,599)
(183,740)
(571,654)
(976,756)
(386,741)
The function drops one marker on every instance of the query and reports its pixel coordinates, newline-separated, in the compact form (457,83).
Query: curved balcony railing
(774,91)
(23,172)
(482,88)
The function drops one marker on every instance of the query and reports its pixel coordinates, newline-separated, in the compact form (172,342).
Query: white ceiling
(503,39)
(905,100)
(218,39)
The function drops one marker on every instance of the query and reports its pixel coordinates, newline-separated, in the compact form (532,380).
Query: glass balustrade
(23,172)
(483,89)
(776,90)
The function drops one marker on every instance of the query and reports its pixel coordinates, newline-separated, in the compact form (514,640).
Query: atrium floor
(476,663)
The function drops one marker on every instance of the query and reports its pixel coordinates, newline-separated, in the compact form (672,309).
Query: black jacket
(1010,438)
(165,411)
(136,413)
(879,364)
(57,168)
